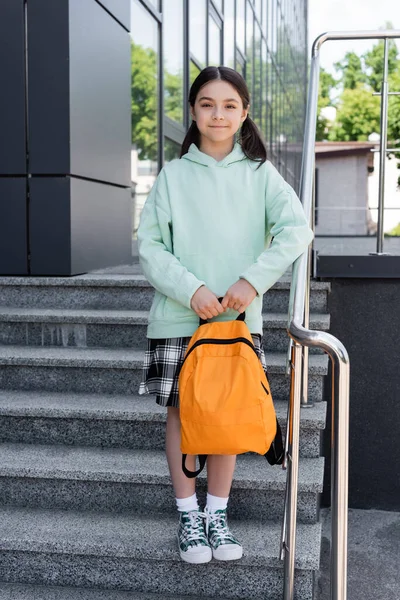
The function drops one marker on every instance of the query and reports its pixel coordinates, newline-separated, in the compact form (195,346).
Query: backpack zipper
(223,341)
(265,388)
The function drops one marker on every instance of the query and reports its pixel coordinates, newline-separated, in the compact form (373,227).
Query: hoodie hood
(197,156)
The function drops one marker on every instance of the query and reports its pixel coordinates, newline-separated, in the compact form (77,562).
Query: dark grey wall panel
(101,225)
(13,235)
(121,9)
(12,85)
(100,79)
(48,85)
(50,226)
(78,225)
(365,316)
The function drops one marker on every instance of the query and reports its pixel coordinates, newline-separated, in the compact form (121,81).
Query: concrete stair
(86,502)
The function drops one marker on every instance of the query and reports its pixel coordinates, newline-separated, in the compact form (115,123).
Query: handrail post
(292,435)
(382,149)
(339,478)
(302,336)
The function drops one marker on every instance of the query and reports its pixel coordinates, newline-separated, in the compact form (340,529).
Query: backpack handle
(241,316)
(191,474)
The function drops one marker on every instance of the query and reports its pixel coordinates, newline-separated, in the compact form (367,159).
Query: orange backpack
(225,401)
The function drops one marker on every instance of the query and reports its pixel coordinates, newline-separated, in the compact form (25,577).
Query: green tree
(374,63)
(327,83)
(351,69)
(395,231)
(173,100)
(358,115)
(144,101)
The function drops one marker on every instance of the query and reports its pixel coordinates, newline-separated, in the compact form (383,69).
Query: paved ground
(373,556)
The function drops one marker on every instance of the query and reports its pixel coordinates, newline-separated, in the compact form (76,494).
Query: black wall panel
(77,98)
(13,234)
(365,317)
(48,86)
(50,226)
(101,225)
(121,9)
(78,225)
(12,86)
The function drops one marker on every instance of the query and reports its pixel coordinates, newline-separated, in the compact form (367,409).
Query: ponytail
(252,142)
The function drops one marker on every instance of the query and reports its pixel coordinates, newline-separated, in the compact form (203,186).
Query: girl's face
(218,111)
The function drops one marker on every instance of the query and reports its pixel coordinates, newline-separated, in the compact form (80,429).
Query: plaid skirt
(162,360)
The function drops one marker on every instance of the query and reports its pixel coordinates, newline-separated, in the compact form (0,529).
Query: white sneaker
(192,541)
(223,544)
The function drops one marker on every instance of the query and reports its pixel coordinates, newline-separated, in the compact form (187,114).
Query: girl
(205,233)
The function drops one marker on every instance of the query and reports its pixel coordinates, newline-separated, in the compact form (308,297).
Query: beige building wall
(342,195)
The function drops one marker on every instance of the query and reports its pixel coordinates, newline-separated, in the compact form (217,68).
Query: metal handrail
(301,339)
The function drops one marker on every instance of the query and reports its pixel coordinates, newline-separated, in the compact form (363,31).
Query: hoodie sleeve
(155,246)
(287,224)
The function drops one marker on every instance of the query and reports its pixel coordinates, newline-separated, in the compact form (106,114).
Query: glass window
(214,48)
(171,150)
(270,41)
(257,74)
(240,66)
(249,54)
(197,29)
(173,60)
(264,84)
(218,4)
(144,94)
(258,9)
(155,3)
(229,34)
(194,71)
(240,25)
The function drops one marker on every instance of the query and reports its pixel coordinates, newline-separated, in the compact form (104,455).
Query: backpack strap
(276,451)
(241,316)
(191,474)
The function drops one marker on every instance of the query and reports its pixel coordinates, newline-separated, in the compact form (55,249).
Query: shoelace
(196,525)
(217,519)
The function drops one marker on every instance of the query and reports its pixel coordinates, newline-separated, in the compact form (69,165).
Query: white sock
(187,504)
(215,503)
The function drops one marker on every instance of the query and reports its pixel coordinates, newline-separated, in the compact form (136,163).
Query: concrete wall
(342,195)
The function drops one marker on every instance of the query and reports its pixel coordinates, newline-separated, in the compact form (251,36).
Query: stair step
(112,328)
(107,291)
(114,421)
(19,591)
(115,370)
(117,479)
(133,552)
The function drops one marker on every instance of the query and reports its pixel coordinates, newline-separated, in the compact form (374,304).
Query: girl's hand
(239,296)
(205,303)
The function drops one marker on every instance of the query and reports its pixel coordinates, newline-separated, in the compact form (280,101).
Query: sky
(345,15)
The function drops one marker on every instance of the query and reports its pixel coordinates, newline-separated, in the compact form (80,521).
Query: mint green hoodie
(211,222)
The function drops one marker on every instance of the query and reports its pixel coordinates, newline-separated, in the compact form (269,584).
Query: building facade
(172,40)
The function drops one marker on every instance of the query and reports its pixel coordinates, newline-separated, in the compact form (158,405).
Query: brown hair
(250,137)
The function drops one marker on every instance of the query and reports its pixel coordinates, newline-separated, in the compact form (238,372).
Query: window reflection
(173,60)
(214,49)
(218,4)
(240,24)
(229,34)
(249,54)
(144,94)
(171,150)
(197,29)
(193,71)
